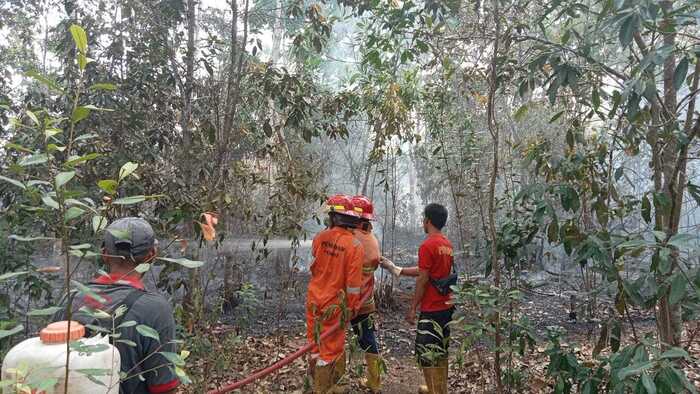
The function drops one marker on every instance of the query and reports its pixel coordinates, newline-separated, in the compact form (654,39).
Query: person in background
(363,323)
(435,260)
(333,294)
(129,242)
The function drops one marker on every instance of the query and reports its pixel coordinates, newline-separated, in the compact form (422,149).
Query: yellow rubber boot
(441,384)
(435,379)
(323,378)
(339,367)
(373,381)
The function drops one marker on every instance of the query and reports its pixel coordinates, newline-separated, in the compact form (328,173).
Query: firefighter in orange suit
(334,292)
(363,323)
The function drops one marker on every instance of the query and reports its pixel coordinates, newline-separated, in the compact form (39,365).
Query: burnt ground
(273,332)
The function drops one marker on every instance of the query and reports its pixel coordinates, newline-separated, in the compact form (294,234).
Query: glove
(390,266)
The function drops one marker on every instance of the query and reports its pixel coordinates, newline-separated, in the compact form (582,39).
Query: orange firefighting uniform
(370,264)
(336,278)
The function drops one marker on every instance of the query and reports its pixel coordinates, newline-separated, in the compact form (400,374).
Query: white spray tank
(38,364)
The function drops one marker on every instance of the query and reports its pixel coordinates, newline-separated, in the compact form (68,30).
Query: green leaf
(76,160)
(98,223)
(680,73)
(38,158)
(14,182)
(173,358)
(83,61)
(183,262)
(71,201)
(49,83)
(520,113)
(88,291)
(148,332)
(659,235)
(633,243)
(94,108)
(678,288)
(81,246)
(28,239)
(9,275)
(119,234)
(126,342)
(35,182)
(50,202)
(627,29)
(50,132)
(664,260)
(108,185)
(18,148)
(53,147)
(13,331)
(682,240)
(662,202)
(46,384)
(127,169)
(33,118)
(63,177)
(79,113)
(674,352)
(95,371)
(141,268)
(79,37)
(619,172)
(50,311)
(73,212)
(634,369)
(127,324)
(92,372)
(104,86)
(85,137)
(595,98)
(129,200)
(648,384)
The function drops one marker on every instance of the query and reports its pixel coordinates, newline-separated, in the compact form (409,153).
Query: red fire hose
(261,373)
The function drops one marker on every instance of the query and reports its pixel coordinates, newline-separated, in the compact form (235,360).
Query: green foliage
(640,368)
(53,196)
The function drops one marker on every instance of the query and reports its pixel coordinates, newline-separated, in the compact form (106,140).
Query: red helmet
(364,207)
(342,204)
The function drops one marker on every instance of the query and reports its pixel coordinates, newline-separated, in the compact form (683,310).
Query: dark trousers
(433,336)
(363,327)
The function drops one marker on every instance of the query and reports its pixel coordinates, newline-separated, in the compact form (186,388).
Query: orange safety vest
(370,264)
(336,270)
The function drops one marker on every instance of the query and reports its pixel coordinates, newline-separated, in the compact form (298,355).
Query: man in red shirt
(435,259)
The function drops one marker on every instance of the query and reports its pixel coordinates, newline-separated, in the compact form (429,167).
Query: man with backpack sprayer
(129,242)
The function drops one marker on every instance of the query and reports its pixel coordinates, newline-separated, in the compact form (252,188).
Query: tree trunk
(668,315)
(493,129)
(189,74)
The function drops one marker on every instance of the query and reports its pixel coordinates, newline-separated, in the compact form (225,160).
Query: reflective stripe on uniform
(368,270)
(353,290)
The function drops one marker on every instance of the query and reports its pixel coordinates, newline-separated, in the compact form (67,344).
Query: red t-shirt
(435,256)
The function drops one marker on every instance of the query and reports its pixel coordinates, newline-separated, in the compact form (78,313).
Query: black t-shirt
(140,354)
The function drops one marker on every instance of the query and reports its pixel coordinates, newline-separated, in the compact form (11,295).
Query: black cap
(128,237)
